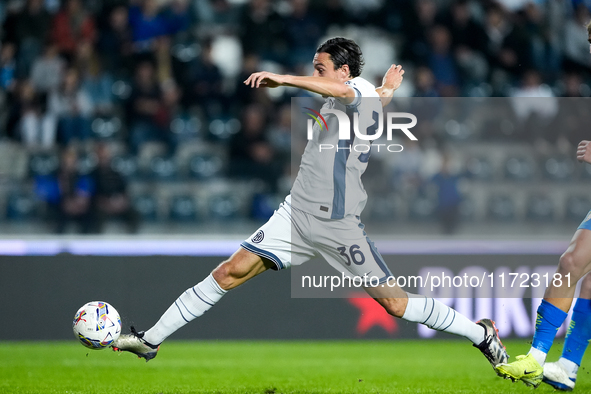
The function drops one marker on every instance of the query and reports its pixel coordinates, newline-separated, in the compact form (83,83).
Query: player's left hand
(584,151)
(393,77)
(264,79)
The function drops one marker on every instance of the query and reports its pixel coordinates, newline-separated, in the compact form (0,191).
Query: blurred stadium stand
(167,100)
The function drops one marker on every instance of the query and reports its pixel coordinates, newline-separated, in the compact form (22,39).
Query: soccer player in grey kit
(321,215)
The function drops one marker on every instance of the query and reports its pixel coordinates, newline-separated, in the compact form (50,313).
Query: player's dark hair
(343,51)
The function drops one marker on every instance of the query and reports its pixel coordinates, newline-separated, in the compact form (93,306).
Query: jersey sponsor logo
(588,217)
(258,237)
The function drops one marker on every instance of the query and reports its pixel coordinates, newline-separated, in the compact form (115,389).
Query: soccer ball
(96,325)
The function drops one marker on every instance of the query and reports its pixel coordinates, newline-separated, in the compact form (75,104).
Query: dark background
(39,296)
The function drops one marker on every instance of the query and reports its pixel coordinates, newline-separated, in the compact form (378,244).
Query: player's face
(324,67)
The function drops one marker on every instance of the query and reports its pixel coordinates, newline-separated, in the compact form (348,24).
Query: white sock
(571,368)
(191,304)
(539,355)
(441,317)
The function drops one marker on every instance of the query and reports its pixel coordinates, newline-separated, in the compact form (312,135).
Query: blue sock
(579,332)
(549,320)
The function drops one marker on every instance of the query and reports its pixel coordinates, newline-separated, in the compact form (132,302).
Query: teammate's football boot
(491,346)
(134,343)
(556,376)
(525,368)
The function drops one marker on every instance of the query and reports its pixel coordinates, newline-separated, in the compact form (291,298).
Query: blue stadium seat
(479,168)
(577,207)
(121,89)
(87,162)
(467,209)
(501,208)
(223,129)
(519,169)
(559,168)
(423,208)
(105,128)
(224,207)
(21,206)
(126,165)
(185,128)
(183,209)
(164,168)
(205,166)
(147,207)
(540,208)
(42,164)
(382,208)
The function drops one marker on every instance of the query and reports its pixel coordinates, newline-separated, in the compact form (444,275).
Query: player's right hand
(584,151)
(264,79)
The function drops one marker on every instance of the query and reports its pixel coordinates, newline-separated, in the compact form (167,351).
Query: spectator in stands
(303,32)
(28,120)
(508,47)
(251,154)
(149,22)
(205,86)
(111,199)
(68,195)
(468,41)
(115,43)
(416,26)
(262,31)
(147,112)
(546,51)
(573,85)
(442,62)
(31,29)
(215,13)
(535,107)
(425,83)
(96,84)
(71,26)
(280,132)
(47,72)
(576,46)
(73,108)
(448,196)
(7,67)
(244,95)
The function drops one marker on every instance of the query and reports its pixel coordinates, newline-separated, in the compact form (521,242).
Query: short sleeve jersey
(328,183)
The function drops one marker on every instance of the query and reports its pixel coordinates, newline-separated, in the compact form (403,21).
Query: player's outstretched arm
(584,151)
(391,81)
(324,86)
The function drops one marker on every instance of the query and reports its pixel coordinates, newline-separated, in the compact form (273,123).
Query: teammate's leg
(575,262)
(562,374)
(242,266)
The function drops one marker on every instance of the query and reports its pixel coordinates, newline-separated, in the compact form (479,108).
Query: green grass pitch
(264,367)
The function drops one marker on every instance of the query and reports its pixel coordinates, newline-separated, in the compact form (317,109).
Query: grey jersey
(328,184)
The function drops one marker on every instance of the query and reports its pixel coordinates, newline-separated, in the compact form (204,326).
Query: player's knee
(226,275)
(569,263)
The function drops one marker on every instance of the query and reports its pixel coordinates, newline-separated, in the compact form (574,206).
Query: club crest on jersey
(258,237)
